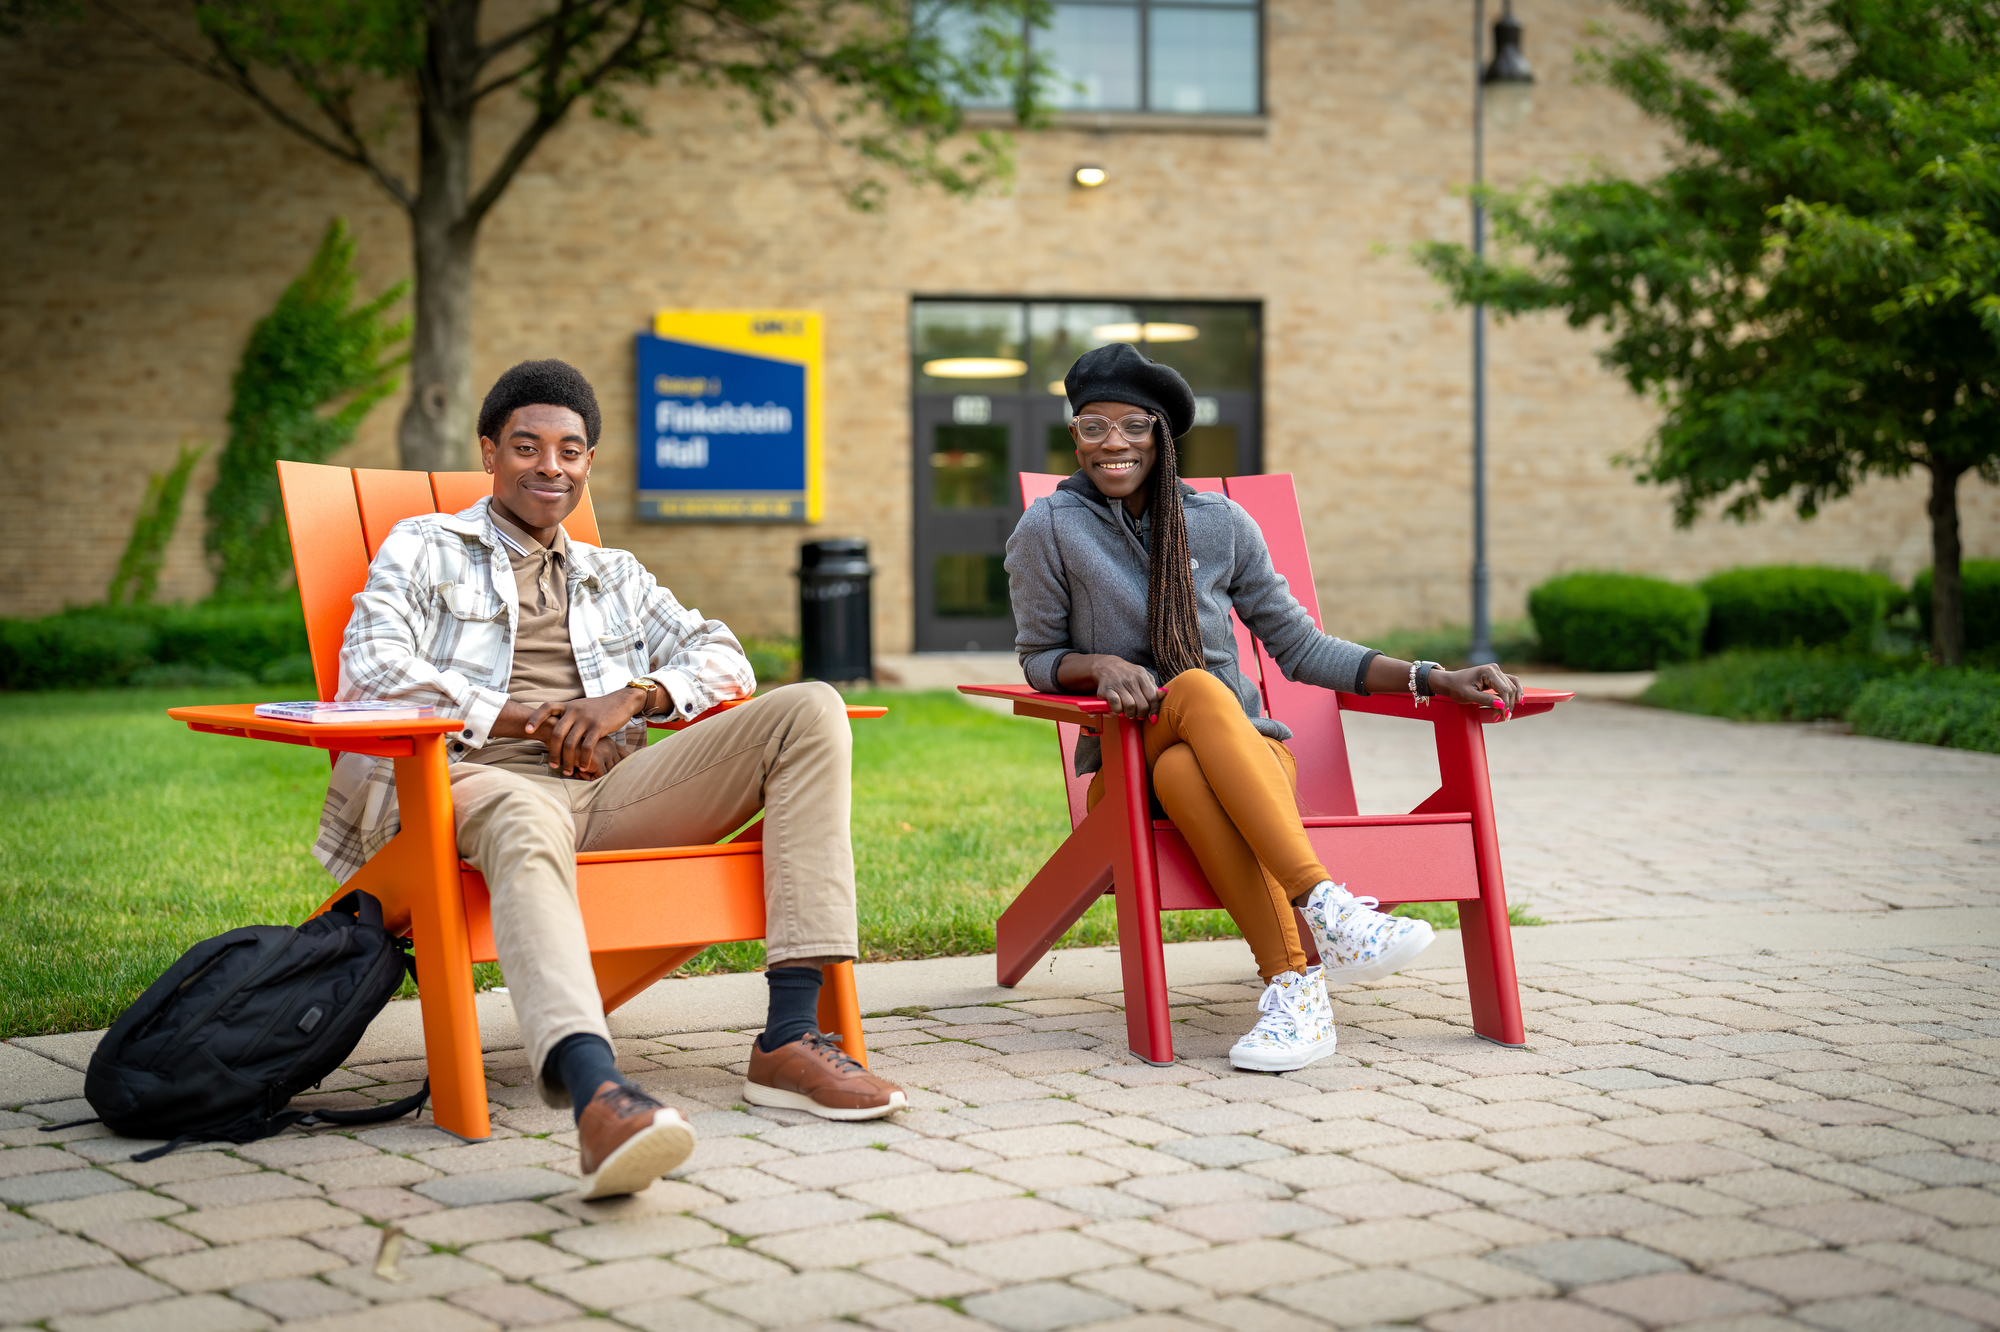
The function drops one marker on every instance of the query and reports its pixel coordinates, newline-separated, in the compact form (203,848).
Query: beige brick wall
(153,217)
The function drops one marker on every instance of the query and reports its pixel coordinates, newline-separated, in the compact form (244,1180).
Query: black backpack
(216,1048)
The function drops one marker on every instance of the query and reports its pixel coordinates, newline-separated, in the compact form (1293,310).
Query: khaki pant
(1231,792)
(789,754)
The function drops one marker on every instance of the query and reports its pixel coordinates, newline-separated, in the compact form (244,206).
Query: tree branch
(231,72)
(553,103)
(509,40)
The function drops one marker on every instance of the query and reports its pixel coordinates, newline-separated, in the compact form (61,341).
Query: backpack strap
(253,1130)
(379,1114)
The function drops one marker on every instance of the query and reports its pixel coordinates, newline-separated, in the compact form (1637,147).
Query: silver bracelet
(1422,699)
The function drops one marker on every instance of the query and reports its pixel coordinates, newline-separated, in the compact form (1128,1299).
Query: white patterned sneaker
(1356,941)
(1295,1029)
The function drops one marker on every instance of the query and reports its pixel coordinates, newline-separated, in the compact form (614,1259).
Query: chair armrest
(855,711)
(1402,705)
(1077,709)
(378,739)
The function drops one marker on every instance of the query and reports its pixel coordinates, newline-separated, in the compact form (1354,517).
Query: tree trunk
(1947,594)
(436,430)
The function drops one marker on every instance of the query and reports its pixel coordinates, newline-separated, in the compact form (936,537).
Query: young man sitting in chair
(555,653)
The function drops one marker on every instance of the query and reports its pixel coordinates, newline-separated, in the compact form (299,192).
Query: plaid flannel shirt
(436,624)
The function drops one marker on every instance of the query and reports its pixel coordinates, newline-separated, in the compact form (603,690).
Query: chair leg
(1489,973)
(1065,887)
(840,1009)
(444,950)
(1148,1026)
(1487,936)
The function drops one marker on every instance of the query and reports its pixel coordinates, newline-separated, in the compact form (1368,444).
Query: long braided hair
(1173,627)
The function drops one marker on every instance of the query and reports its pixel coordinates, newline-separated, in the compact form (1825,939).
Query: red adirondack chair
(645,912)
(1444,850)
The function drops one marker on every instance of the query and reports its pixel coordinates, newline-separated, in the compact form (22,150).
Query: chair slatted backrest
(1326,783)
(340,516)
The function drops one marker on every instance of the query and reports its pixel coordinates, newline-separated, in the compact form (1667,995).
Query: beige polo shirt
(544,663)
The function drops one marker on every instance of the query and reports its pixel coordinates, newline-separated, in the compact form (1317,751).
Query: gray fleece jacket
(1076,569)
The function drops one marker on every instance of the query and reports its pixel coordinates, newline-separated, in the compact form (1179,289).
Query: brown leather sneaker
(629,1140)
(814,1074)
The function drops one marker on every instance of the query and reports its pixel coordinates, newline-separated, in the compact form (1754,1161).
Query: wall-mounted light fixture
(1090,177)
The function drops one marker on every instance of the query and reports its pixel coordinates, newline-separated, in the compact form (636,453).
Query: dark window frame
(1144,100)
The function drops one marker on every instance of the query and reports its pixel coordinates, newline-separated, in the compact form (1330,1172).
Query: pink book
(357,710)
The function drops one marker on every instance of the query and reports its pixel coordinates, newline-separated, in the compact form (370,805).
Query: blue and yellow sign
(729,417)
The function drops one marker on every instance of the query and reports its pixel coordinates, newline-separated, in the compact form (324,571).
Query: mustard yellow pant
(1230,791)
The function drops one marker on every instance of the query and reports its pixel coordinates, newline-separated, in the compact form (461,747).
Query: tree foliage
(312,370)
(881,78)
(1810,288)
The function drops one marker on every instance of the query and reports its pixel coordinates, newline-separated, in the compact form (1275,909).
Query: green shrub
(1783,605)
(244,636)
(71,651)
(1933,707)
(1617,621)
(1981,581)
(213,643)
(1790,685)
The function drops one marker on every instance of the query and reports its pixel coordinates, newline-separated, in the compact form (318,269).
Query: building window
(1171,57)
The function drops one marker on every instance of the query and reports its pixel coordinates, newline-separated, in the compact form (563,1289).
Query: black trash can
(835,641)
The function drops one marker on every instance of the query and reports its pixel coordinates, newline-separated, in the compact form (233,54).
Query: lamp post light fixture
(1090,177)
(1509,82)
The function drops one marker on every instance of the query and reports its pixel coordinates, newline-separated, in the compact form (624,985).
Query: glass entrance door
(989,405)
(970,449)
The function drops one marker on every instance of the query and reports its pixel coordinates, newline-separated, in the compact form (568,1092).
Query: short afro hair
(540,383)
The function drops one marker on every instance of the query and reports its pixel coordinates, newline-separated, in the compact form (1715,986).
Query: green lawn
(132,838)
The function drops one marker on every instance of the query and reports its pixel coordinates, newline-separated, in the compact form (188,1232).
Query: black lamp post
(1508,81)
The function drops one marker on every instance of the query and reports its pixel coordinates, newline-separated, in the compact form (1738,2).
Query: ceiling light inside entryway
(975,367)
(1145,332)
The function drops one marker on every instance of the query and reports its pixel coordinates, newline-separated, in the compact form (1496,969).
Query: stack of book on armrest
(357,710)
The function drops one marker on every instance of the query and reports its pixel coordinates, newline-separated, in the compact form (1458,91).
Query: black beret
(1119,373)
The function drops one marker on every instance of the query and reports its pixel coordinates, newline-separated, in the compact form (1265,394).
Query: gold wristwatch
(647,686)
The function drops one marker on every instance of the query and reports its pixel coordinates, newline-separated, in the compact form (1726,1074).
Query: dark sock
(583,1063)
(794,1006)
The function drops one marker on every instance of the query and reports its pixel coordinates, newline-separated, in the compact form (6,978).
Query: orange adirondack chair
(645,912)
(1444,850)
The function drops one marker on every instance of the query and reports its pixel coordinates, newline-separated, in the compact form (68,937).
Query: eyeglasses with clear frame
(1096,429)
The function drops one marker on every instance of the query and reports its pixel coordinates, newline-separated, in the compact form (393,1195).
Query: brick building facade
(153,217)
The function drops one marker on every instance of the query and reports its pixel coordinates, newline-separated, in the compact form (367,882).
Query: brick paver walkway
(1741,1143)
(1613,811)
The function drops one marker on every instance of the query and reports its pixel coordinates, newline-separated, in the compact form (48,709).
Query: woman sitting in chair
(1123,579)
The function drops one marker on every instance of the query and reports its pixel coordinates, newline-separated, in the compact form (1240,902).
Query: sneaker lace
(826,1045)
(624,1099)
(1279,1002)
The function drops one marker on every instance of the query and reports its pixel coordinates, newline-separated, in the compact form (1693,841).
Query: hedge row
(208,643)
(1617,622)
(1629,622)
(1782,606)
